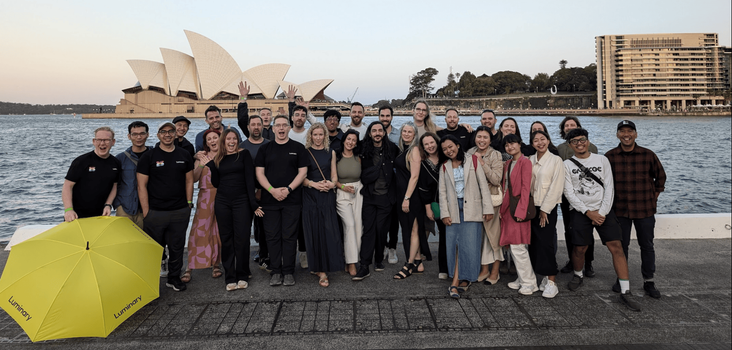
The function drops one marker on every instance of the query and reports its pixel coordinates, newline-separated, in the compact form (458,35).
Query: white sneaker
(242,285)
(514,285)
(543,284)
(304,260)
(551,290)
(393,258)
(528,290)
(231,287)
(164,268)
(442,276)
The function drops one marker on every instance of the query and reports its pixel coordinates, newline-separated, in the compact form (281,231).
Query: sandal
(216,273)
(405,272)
(463,289)
(454,292)
(417,264)
(186,276)
(323,282)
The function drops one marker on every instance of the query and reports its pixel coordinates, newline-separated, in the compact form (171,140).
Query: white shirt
(582,192)
(361,129)
(299,136)
(547,181)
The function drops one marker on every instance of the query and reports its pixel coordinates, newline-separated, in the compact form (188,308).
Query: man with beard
(639,180)
(252,144)
(386,115)
(91,182)
(181,129)
(488,119)
(452,119)
(127,202)
(298,132)
(165,188)
(379,196)
(281,167)
(332,118)
(357,114)
(215,122)
(589,187)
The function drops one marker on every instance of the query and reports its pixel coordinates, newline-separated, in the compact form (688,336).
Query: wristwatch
(406,198)
(289,189)
(108,205)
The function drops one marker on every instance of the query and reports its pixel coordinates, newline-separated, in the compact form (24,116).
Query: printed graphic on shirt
(588,186)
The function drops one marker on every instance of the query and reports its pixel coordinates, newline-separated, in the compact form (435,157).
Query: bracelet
(190,202)
(343,187)
(243,98)
(269,189)
(68,210)
(201,166)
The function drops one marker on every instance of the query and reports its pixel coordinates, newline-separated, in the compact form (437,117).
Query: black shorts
(581,229)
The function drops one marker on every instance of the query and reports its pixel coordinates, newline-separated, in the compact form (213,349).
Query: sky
(68,52)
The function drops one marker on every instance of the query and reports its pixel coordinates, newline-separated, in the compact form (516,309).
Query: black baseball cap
(627,123)
(181,118)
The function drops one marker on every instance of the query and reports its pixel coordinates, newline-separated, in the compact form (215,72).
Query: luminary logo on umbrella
(130,305)
(17,306)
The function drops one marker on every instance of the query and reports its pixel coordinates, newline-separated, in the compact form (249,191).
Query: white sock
(624,286)
(579,273)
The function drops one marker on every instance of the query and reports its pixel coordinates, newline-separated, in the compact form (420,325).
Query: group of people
(338,194)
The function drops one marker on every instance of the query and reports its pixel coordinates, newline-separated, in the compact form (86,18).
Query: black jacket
(370,172)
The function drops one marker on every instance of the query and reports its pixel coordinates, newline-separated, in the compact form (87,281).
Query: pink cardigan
(513,232)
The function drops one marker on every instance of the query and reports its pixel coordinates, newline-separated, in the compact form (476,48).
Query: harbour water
(36,151)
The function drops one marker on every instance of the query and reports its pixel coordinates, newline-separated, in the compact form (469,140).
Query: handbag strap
(317,164)
(587,171)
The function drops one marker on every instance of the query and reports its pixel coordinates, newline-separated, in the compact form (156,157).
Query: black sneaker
(629,301)
(575,283)
(567,267)
(651,290)
(589,271)
(363,272)
(176,284)
(275,280)
(379,267)
(616,286)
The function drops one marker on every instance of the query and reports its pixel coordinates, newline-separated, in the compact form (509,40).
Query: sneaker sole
(354,278)
(627,305)
(173,287)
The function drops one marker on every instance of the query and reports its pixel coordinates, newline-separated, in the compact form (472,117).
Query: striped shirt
(638,176)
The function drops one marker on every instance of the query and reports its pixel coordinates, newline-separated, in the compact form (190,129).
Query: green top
(349,170)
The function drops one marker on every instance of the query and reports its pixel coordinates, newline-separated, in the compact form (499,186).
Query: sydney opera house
(187,85)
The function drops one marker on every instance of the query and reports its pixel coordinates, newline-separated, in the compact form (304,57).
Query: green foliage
(511,82)
(420,84)
(541,83)
(576,79)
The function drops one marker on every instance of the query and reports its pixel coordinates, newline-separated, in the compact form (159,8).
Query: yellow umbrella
(81,278)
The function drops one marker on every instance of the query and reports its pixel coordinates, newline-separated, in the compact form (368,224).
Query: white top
(582,192)
(299,137)
(459,176)
(547,181)
(361,129)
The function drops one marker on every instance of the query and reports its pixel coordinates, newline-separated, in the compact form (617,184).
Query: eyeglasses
(331,119)
(281,125)
(420,110)
(138,134)
(169,132)
(103,140)
(579,140)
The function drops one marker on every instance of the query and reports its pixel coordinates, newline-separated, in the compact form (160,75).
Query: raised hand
(291,90)
(243,89)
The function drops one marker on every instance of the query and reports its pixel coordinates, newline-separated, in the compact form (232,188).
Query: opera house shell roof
(212,74)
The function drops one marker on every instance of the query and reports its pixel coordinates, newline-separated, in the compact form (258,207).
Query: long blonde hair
(309,139)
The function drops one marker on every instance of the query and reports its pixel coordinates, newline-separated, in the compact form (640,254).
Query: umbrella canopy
(81,278)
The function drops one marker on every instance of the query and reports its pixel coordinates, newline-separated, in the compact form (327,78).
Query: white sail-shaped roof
(233,86)
(216,68)
(150,73)
(181,70)
(267,76)
(313,87)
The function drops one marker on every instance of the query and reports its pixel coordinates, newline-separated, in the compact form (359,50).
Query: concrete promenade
(694,277)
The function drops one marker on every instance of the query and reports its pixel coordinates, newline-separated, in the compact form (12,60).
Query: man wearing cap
(639,179)
(165,188)
(589,188)
(91,182)
(215,122)
(181,129)
(127,202)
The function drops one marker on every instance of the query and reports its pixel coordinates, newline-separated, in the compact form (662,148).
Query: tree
(420,84)
(541,82)
(509,81)
(450,79)
(562,64)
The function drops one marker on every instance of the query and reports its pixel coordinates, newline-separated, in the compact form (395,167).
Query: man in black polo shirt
(165,188)
(452,119)
(91,182)
(181,129)
(281,166)
(332,119)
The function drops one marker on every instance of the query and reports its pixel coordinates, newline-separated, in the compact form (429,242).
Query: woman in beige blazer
(464,203)
(492,164)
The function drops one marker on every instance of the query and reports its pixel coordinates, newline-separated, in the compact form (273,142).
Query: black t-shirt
(281,164)
(461,133)
(94,178)
(253,148)
(166,185)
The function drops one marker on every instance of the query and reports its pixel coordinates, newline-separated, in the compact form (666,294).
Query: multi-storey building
(661,71)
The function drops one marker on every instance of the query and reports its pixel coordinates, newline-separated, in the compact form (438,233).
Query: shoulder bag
(514,200)
(318,165)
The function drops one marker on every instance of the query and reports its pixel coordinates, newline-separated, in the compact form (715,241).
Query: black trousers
(442,246)
(234,218)
(394,226)
(169,227)
(590,253)
(261,237)
(280,227)
(543,244)
(376,214)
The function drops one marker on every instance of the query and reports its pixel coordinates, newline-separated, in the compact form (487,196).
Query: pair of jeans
(464,240)
(644,231)
(169,227)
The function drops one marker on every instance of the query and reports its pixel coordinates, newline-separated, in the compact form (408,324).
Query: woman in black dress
(428,183)
(319,218)
(232,173)
(411,216)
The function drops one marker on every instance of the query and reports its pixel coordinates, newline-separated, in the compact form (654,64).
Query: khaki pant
(137,218)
